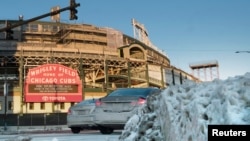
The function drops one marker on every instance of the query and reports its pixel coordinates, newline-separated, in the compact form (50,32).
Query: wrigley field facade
(46,67)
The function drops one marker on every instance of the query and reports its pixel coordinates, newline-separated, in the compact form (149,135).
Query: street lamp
(242,51)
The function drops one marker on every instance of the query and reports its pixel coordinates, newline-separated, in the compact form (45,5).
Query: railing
(36,45)
(35,119)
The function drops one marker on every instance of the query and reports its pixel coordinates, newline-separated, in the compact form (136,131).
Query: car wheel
(105,130)
(75,130)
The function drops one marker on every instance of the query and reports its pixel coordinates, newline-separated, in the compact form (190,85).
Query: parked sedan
(80,116)
(113,111)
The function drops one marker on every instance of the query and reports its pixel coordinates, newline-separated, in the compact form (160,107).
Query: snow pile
(183,112)
(144,125)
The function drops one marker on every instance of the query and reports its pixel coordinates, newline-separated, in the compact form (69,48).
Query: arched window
(136,53)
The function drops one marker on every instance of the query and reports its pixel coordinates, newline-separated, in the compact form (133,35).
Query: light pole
(5,104)
(242,51)
(6,91)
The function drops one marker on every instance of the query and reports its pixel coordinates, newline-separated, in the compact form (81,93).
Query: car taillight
(98,103)
(140,101)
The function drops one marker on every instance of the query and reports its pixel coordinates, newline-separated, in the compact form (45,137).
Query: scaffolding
(206,70)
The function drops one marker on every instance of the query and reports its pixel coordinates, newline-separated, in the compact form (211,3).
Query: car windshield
(131,92)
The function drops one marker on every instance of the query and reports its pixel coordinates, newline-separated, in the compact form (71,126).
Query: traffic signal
(73,10)
(9,32)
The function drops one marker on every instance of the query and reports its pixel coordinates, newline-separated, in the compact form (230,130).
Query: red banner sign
(53,83)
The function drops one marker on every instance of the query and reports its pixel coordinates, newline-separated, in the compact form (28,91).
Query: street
(84,135)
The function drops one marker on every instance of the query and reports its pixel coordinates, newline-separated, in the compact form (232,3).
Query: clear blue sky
(188,31)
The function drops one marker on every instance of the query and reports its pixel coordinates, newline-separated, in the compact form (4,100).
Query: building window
(62,106)
(72,104)
(31,106)
(136,53)
(54,28)
(33,28)
(10,105)
(46,28)
(42,106)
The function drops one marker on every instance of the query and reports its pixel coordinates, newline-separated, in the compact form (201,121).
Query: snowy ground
(38,134)
(183,112)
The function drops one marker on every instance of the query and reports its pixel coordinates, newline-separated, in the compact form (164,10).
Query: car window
(131,92)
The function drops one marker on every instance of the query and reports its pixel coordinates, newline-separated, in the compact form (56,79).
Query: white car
(80,116)
(113,111)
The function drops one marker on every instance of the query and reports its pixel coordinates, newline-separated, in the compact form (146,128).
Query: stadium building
(46,67)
